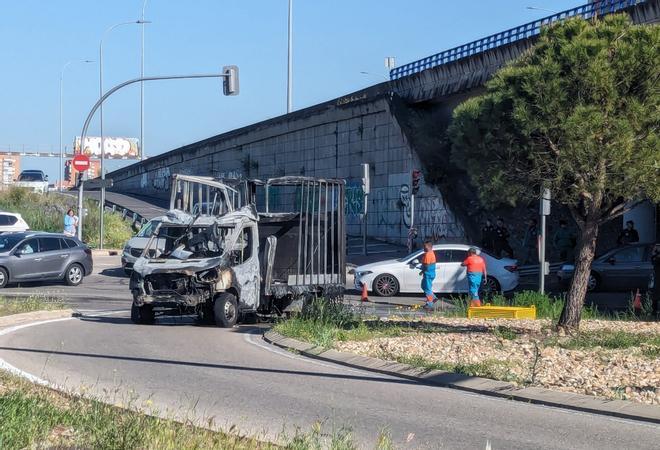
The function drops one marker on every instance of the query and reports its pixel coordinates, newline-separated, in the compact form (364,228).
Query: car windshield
(9,241)
(410,256)
(31,176)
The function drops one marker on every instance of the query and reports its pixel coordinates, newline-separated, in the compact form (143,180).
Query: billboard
(115,147)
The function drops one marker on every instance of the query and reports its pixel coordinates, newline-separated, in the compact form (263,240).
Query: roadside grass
(648,343)
(489,368)
(33,416)
(46,213)
(17,305)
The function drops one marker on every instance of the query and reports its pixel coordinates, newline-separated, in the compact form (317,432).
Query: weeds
(46,213)
(489,368)
(10,306)
(505,333)
(612,340)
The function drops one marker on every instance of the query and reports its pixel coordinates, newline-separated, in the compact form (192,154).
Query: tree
(578,114)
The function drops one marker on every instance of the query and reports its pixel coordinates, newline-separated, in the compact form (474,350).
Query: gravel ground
(527,352)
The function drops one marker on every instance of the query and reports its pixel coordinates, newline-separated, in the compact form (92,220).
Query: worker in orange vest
(476,274)
(428,274)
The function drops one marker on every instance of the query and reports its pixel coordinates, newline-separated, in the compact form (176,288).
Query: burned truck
(271,246)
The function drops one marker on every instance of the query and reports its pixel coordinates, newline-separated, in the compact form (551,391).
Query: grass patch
(33,416)
(547,307)
(46,213)
(9,306)
(489,368)
(505,333)
(649,343)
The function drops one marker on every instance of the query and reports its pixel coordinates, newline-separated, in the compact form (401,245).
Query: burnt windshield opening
(180,241)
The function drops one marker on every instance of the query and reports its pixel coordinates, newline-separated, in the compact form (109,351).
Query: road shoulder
(33,316)
(616,408)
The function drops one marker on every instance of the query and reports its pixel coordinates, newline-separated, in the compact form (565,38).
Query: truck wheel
(225,310)
(142,314)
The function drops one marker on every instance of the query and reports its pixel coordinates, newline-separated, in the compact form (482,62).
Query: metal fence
(518,33)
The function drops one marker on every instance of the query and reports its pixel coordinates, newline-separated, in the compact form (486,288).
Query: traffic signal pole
(230,86)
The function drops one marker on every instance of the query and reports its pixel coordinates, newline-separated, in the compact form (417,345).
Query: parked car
(36,180)
(12,222)
(37,256)
(391,277)
(619,269)
(134,247)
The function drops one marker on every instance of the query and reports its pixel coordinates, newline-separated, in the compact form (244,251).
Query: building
(11,168)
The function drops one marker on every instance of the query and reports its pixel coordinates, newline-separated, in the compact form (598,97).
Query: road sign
(80,163)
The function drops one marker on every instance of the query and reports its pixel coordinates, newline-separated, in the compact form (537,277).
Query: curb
(540,396)
(18,319)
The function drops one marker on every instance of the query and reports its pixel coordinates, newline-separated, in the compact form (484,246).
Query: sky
(334,41)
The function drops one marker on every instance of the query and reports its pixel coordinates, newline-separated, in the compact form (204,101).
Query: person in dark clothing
(564,241)
(502,239)
(655,258)
(629,235)
(488,236)
(530,242)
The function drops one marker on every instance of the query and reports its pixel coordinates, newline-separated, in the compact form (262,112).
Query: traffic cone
(475,303)
(365,294)
(637,302)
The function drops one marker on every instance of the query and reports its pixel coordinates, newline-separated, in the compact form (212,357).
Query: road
(237,379)
(234,377)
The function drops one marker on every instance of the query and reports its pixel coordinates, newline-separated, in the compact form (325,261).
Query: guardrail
(518,33)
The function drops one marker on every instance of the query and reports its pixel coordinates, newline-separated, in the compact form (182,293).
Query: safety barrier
(518,33)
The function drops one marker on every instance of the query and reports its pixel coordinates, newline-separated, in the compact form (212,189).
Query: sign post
(365,189)
(544,211)
(81,164)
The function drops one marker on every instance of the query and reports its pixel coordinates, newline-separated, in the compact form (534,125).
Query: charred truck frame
(217,256)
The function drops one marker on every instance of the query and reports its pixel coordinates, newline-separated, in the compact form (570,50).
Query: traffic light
(416,177)
(230,80)
(67,171)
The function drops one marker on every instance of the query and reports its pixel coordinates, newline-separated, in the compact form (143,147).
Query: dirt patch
(608,359)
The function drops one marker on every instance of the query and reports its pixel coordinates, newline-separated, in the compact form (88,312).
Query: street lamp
(289,71)
(68,63)
(82,143)
(144,5)
(542,9)
(375,75)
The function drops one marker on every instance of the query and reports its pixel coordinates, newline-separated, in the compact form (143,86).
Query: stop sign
(80,163)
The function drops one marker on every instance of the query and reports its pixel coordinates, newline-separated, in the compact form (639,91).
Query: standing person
(428,274)
(564,241)
(502,239)
(476,274)
(655,259)
(70,223)
(629,235)
(530,241)
(488,236)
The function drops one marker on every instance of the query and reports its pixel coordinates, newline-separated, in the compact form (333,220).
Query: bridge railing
(518,33)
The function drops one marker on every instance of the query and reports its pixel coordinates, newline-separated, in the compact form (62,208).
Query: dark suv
(34,256)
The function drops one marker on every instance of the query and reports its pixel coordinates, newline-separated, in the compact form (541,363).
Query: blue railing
(512,35)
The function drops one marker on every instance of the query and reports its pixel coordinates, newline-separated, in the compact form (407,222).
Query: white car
(134,247)
(12,222)
(36,180)
(394,276)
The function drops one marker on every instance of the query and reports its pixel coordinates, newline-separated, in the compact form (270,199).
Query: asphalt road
(235,378)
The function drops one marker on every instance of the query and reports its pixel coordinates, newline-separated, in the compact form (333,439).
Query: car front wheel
(592,283)
(4,278)
(386,285)
(225,310)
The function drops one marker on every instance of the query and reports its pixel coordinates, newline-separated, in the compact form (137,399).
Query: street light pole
(144,5)
(225,74)
(67,64)
(534,8)
(289,72)
(82,142)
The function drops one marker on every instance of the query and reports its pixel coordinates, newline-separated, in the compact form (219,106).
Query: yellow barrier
(501,312)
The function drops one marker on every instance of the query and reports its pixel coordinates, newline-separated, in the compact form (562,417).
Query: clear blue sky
(334,40)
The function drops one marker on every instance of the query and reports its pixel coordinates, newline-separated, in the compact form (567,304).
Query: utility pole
(544,211)
(289,72)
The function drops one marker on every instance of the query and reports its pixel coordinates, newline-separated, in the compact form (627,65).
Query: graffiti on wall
(435,221)
(354,200)
(161,180)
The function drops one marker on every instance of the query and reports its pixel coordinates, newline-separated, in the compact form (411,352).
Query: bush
(46,213)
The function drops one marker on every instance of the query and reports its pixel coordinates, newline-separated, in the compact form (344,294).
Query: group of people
(70,223)
(476,274)
(495,239)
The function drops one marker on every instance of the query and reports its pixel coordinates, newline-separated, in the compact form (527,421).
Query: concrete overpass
(396,126)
